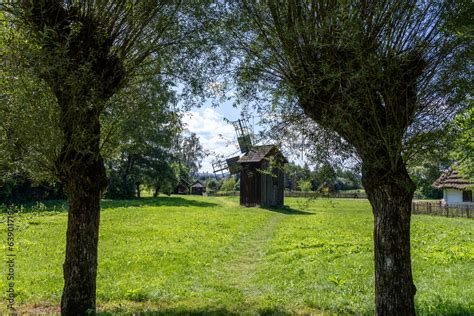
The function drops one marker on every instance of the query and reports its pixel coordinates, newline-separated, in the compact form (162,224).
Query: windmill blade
(243,135)
(219,166)
(232,165)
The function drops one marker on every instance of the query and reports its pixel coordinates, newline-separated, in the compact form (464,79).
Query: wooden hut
(182,187)
(198,188)
(456,189)
(261,177)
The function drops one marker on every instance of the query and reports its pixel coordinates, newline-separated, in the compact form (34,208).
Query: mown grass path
(241,271)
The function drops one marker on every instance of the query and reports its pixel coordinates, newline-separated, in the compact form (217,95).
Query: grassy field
(193,255)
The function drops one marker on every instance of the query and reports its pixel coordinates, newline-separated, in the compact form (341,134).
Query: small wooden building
(198,188)
(261,177)
(182,187)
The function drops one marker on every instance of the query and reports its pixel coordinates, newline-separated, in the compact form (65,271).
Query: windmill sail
(243,135)
(245,144)
(219,166)
(232,165)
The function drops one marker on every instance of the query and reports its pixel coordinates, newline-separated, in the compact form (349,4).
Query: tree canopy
(77,58)
(381,75)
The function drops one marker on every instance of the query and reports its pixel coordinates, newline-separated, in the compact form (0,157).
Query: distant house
(182,187)
(198,188)
(456,189)
(261,176)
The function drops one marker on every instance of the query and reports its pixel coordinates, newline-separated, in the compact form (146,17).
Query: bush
(212,185)
(304,185)
(21,189)
(228,184)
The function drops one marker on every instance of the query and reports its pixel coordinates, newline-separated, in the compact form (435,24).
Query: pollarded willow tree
(371,71)
(81,53)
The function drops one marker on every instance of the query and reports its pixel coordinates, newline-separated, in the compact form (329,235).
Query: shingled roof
(198,184)
(452,180)
(258,153)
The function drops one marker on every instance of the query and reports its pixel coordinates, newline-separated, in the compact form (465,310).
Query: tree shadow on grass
(60,206)
(454,310)
(209,311)
(287,211)
(448,309)
(159,201)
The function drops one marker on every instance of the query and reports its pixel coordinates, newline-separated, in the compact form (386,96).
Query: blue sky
(216,135)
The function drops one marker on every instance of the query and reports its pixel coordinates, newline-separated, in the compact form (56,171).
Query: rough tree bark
(81,169)
(80,266)
(390,193)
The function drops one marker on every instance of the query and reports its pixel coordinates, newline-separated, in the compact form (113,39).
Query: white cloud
(215,134)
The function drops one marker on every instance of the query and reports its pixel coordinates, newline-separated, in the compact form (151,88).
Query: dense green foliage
(304,185)
(158,46)
(198,254)
(19,188)
(337,179)
(212,185)
(463,151)
(141,135)
(228,184)
(154,162)
(451,147)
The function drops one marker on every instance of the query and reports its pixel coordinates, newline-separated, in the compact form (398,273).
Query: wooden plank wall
(250,186)
(272,189)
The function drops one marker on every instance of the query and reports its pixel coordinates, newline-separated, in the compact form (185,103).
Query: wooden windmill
(244,140)
(260,168)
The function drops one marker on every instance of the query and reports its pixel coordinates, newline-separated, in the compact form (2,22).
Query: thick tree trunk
(80,266)
(390,194)
(81,169)
(137,186)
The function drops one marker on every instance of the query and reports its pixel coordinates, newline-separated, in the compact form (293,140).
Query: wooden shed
(198,188)
(261,177)
(182,187)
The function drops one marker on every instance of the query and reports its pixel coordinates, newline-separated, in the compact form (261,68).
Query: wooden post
(447,210)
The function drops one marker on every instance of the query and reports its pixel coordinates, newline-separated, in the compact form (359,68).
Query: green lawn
(192,255)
